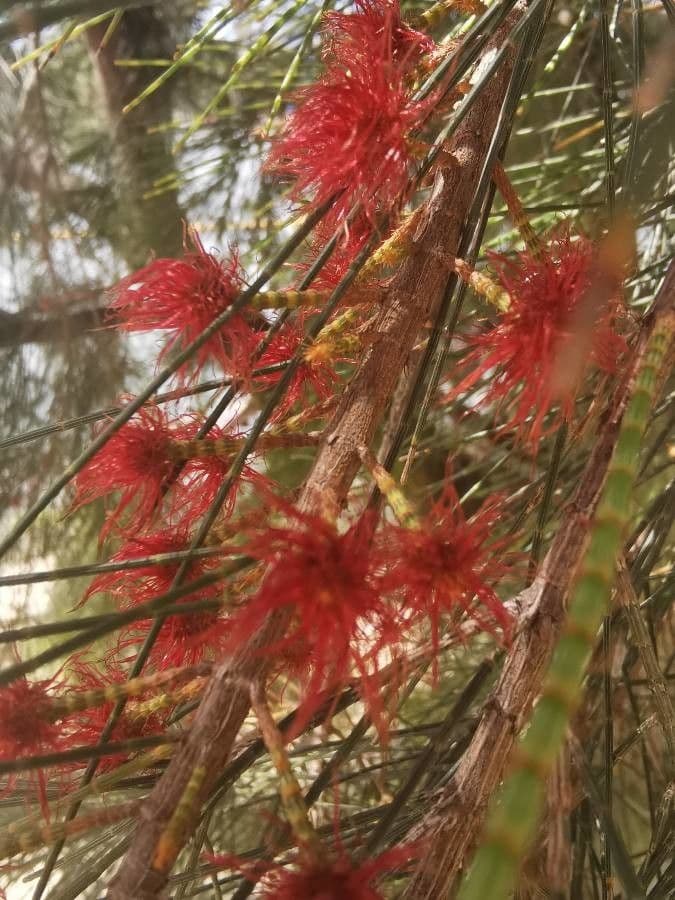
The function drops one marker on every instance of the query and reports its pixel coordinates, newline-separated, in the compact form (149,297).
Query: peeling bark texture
(415,292)
(453,826)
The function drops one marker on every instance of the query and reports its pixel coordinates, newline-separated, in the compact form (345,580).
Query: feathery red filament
(550,298)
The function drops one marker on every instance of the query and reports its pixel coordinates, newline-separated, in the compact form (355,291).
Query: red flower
(184,640)
(136,462)
(202,475)
(447,563)
(376,29)
(184,296)
(142,461)
(317,376)
(351,130)
(89,723)
(351,242)
(337,880)
(145,583)
(524,348)
(26,727)
(329,583)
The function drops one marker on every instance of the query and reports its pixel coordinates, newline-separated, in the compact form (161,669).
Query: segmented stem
(289,299)
(202,448)
(145,708)
(389,488)
(513,820)
(335,339)
(433,16)
(295,809)
(515,207)
(78,700)
(41,834)
(482,284)
(18,835)
(170,841)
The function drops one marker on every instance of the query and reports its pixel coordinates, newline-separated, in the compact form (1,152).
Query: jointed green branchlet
(290,792)
(483,285)
(39,834)
(205,448)
(79,700)
(433,16)
(401,506)
(31,832)
(532,240)
(309,298)
(170,841)
(336,339)
(514,816)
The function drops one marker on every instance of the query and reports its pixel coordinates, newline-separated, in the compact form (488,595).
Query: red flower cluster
(330,585)
(142,584)
(377,26)
(319,377)
(184,296)
(351,132)
(334,879)
(339,880)
(183,639)
(137,462)
(351,241)
(89,723)
(522,351)
(26,727)
(447,564)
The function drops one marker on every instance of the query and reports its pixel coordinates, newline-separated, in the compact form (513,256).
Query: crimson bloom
(318,376)
(146,457)
(340,879)
(135,461)
(447,564)
(183,640)
(144,583)
(377,27)
(351,131)
(26,727)
(184,296)
(204,471)
(89,723)
(351,241)
(521,353)
(329,585)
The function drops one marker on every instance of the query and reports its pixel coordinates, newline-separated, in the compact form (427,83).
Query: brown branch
(452,827)
(415,292)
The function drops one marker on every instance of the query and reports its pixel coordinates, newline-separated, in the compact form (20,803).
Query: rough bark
(415,291)
(452,827)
